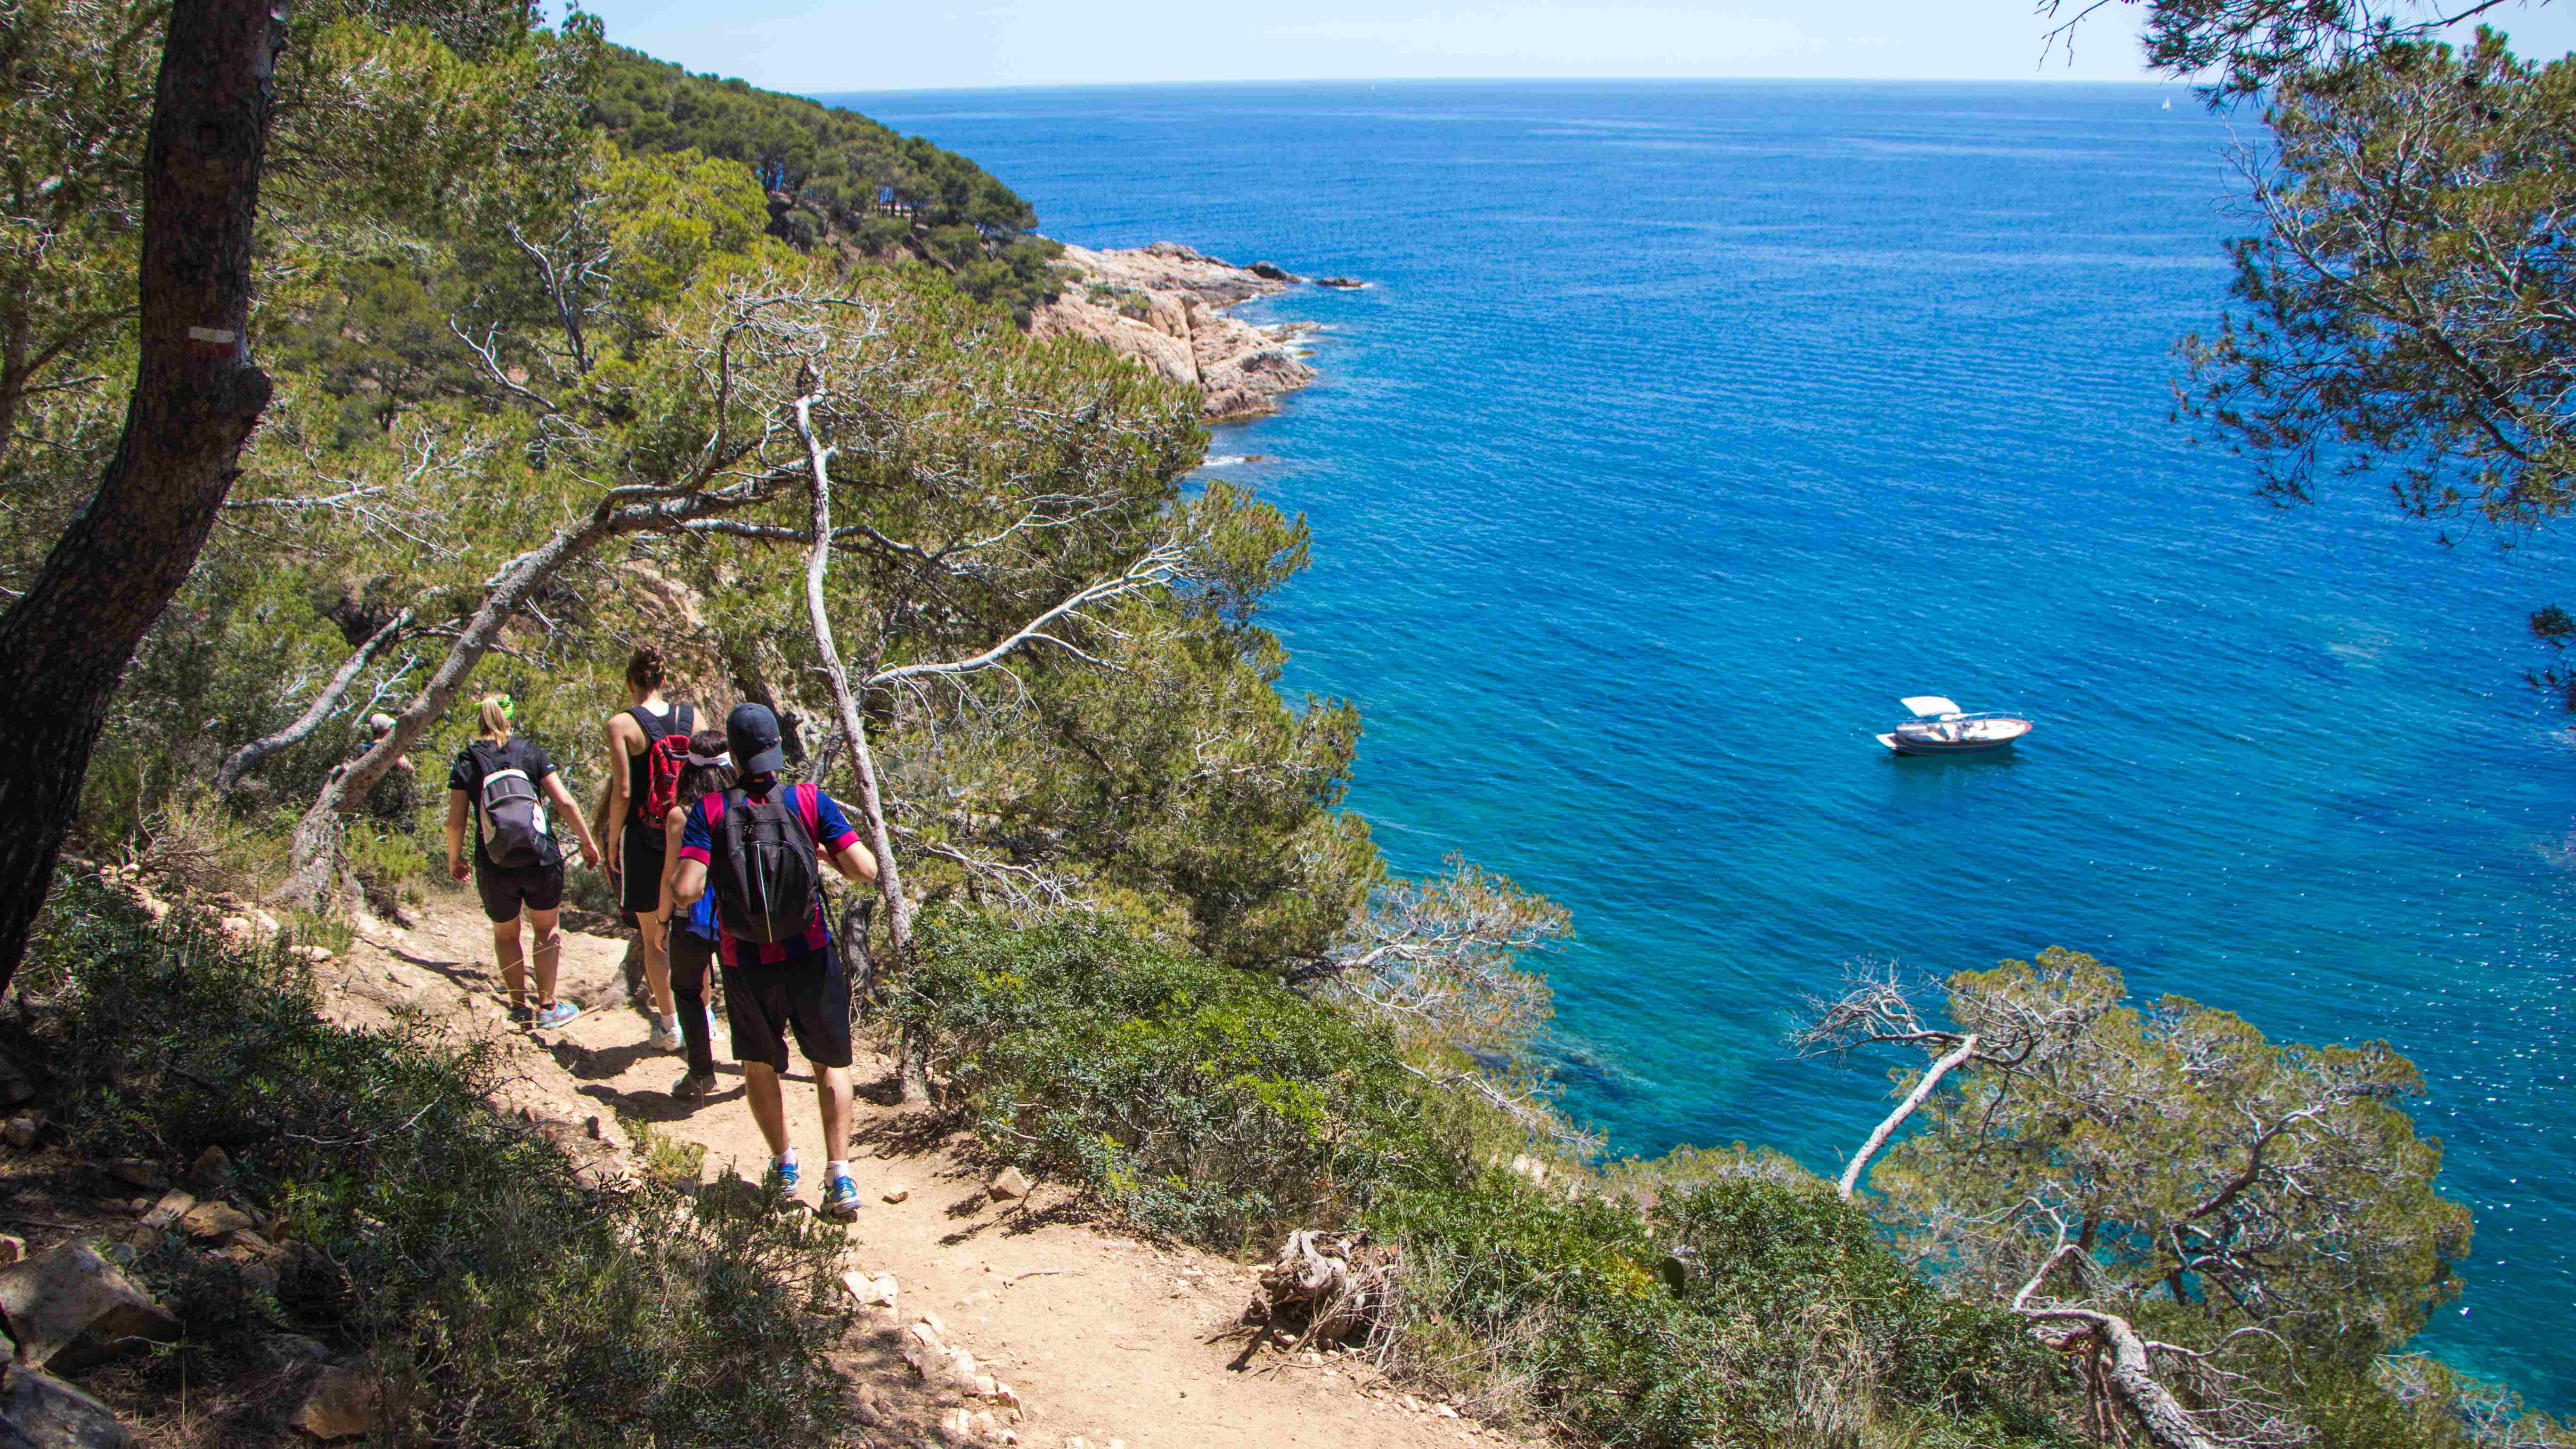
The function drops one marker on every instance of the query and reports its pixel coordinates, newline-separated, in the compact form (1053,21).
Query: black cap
(751,733)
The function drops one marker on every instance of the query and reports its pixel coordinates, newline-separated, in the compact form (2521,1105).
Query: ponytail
(496,719)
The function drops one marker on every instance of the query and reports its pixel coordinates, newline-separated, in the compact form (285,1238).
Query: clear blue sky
(862,45)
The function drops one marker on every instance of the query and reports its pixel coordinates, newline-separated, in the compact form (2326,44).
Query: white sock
(784,1159)
(835,1168)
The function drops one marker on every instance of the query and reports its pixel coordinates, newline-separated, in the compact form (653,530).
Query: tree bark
(65,644)
(247,758)
(914,1073)
(1859,1163)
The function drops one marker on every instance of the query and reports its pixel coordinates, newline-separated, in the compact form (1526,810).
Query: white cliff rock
(1165,305)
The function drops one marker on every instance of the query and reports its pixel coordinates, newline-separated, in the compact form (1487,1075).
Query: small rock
(139,1173)
(14,1086)
(592,1127)
(12,1248)
(1007,1185)
(21,1129)
(957,1424)
(215,1220)
(294,1348)
(1271,272)
(247,1246)
(73,1303)
(872,1290)
(1345,283)
(213,1167)
(1444,1411)
(985,1425)
(984,1386)
(898,1195)
(341,1402)
(960,1369)
(42,1412)
(931,1322)
(261,1276)
(318,955)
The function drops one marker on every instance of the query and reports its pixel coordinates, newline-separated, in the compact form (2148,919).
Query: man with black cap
(778,979)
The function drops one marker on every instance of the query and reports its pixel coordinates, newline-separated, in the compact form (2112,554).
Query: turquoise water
(1684,428)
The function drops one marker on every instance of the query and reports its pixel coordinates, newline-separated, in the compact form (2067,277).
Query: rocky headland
(1167,305)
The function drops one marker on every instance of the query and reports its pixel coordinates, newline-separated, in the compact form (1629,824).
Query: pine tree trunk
(65,644)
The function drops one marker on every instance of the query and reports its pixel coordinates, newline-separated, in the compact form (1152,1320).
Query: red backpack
(666,754)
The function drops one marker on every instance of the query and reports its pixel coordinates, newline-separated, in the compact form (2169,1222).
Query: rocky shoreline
(1167,306)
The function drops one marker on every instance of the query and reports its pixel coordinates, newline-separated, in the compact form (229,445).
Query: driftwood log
(1332,1286)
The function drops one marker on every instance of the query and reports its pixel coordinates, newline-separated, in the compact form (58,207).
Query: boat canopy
(1930,704)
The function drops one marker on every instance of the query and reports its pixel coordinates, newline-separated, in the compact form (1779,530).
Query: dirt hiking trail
(1103,1338)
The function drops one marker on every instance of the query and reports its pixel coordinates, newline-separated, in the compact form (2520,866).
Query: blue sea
(1683,428)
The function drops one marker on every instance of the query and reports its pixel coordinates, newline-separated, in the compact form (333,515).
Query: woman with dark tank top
(635,844)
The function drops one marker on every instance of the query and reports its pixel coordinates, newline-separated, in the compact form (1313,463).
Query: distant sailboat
(2168,103)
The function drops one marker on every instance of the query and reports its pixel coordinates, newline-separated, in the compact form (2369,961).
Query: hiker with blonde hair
(506,784)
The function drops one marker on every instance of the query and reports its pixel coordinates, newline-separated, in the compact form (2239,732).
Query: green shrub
(505,1302)
(1201,1101)
(1741,1311)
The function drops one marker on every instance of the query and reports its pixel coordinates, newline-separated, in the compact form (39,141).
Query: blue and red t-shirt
(829,827)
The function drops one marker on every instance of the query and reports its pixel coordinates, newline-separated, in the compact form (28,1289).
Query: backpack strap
(653,725)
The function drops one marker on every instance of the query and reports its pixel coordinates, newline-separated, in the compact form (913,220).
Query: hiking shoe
(550,1017)
(520,1015)
(694,1085)
(784,1175)
(840,1199)
(664,1038)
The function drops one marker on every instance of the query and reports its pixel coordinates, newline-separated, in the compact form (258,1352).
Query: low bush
(505,1302)
(1198,1100)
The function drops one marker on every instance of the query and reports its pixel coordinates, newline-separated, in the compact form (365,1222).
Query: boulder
(212,1169)
(39,1411)
(136,1172)
(1345,283)
(341,1402)
(173,1206)
(1271,272)
(21,1129)
(12,1248)
(215,1220)
(72,1304)
(1007,1184)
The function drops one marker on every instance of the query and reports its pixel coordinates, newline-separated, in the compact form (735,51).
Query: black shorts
(808,995)
(639,887)
(504,891)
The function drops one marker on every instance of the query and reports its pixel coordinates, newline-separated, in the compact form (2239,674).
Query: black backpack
(764,871)
(514,819)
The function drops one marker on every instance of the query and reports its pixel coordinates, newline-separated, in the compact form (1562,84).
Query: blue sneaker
(550,1017)
(841,1199)
(784,1174)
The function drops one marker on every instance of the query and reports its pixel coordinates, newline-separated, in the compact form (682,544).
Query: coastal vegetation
(562,348)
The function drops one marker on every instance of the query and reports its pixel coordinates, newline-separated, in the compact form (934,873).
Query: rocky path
(1101,1339)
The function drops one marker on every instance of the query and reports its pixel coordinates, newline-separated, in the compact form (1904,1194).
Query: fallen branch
(324,705)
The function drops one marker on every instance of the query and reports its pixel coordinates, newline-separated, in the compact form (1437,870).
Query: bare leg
(549,952)
(768,1107)
(832,1086)
(505,949)
(655,934)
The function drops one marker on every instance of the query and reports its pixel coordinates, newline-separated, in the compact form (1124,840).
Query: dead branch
(324,705)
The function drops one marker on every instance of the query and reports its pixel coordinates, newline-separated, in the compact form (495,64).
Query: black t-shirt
(521,753)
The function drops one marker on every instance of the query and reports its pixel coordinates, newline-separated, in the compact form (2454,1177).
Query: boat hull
(1981,737)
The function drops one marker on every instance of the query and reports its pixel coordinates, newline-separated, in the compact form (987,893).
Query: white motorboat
(1940,727)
